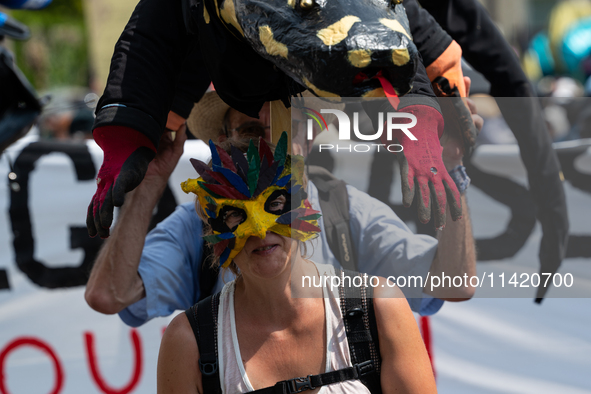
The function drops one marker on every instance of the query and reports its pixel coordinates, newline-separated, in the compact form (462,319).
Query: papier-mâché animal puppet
(253,52)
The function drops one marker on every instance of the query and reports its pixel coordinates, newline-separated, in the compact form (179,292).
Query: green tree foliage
(57,52)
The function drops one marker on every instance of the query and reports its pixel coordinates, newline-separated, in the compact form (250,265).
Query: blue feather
(224,256)
(215,157)
(234,179)
(283,181)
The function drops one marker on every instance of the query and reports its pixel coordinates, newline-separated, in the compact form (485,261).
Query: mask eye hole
(233,217)
(278,202)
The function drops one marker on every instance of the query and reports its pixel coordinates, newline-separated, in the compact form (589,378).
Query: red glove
(127,153)
(421,167)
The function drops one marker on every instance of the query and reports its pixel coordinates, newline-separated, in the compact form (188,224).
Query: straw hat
(206,120)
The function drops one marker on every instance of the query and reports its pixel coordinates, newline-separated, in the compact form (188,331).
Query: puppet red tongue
(388,90)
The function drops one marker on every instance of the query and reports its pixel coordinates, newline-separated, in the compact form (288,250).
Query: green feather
(253,175)
(281,149)
(314,216)
(210,200)
(254,166)
(213,239)
(253,153)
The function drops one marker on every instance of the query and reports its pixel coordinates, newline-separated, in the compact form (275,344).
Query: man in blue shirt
(142,280)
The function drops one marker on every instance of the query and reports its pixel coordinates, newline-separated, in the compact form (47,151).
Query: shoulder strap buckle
(364,368)
(297,385)
(208,368)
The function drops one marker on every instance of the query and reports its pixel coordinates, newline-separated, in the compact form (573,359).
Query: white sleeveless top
(233,377)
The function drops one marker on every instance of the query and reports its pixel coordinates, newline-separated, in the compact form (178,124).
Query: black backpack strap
(334,204)
(361,328)
(203,318)
(310,382)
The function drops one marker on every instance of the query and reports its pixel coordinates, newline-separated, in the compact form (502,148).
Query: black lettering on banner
(567,158)
(578,245)
(24,244)
(523,214)
(505,191)
(4,280)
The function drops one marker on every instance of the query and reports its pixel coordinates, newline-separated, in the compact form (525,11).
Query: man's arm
(456,253)
(114,282)
(456,256)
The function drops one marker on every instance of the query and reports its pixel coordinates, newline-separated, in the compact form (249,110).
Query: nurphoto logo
(315,118)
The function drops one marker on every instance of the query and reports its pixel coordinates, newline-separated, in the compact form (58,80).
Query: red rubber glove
(422,170)
(127,153)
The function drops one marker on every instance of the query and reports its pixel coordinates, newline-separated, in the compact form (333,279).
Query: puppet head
(245,186)
(333,47)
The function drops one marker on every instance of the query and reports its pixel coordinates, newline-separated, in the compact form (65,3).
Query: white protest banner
(52,342)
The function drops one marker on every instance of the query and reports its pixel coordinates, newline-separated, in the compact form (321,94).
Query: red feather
(304,226)
(220,178)
(227,191)
(218,248)
(226,159)
(265,152)
(305,211)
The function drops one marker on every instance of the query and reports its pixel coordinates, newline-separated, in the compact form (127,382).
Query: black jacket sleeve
(483,45)
(146,70)
(488,52)
(429,37)
(191,84)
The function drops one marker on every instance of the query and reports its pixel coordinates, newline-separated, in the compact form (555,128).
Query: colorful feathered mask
(239,196)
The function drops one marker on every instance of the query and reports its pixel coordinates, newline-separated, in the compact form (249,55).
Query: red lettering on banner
(93,364)
(34,342)
(428,339)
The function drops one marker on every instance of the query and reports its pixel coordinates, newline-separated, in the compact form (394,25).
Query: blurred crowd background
(71,44)
(553,41)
